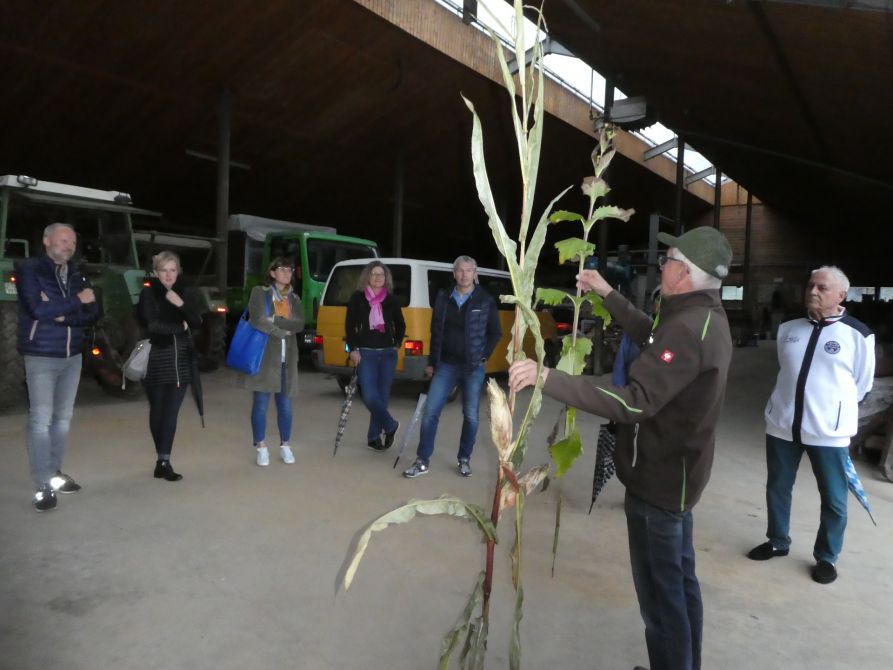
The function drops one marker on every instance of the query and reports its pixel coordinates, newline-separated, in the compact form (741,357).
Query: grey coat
(267,380)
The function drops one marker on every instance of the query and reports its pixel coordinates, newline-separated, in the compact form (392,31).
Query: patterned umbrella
(854,485)
(349,392)
(604,460)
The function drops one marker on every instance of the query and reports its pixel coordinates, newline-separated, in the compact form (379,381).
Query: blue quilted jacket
(482,327)
(42,298)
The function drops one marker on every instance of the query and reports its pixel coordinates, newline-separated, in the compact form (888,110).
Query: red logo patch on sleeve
(667,356)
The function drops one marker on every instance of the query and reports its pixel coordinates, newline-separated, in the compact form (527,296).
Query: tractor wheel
(12,381)
(210,342)
(123,334)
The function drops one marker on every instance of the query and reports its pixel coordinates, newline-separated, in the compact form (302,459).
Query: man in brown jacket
(668,413)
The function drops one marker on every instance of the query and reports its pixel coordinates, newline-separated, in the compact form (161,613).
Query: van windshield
(343,283)
(323,254)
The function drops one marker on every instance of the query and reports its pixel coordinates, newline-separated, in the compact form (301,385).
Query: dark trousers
(164,406)
(662,556)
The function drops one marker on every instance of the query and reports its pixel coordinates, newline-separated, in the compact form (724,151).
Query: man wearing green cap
(667,413)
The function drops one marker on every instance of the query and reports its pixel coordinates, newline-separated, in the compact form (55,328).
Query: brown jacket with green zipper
(670,406)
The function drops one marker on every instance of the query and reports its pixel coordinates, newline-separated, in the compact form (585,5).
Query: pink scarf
(376,317)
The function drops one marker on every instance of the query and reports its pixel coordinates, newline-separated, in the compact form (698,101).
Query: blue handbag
(246,350)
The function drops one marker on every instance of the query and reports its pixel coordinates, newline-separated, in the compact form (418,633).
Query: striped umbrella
(604,460)
(349,392)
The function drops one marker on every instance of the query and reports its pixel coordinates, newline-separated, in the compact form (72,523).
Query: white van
(416,283)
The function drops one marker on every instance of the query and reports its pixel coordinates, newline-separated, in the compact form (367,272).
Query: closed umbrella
(419,408)
(349,392)
(604,460)
(854,485)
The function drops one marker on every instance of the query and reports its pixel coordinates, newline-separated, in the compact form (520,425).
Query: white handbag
(134,368)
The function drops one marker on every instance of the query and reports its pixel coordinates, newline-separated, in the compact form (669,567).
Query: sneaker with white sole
(263,457)
(286,454)
(417,469)
(464,467)
(44,499)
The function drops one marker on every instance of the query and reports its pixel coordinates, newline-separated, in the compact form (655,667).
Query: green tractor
(105,250)
(197,258)
(255,241)
(107,253)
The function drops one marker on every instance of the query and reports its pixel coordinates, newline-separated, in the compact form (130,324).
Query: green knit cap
(706,247)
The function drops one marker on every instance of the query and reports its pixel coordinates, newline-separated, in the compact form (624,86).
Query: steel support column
(717,198)
(224,131)
(399,182)
(680,184)
(748,289)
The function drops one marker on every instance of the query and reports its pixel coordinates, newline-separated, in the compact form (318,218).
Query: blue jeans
(828,465)
(283,413)
(447,377)
(376,374)
(52,387)
(662,557)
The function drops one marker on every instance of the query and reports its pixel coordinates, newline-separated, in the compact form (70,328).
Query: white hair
(700,280)
(53,227)
(839,277)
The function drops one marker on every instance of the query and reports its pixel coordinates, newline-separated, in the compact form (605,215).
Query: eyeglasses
(284,268)
(376,274)
(663,260)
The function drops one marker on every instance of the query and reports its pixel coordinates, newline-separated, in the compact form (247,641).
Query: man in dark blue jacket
(464,331)
(55,304)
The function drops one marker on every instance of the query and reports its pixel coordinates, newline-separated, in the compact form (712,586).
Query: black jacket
(172,358)
(356,323)
(482,327)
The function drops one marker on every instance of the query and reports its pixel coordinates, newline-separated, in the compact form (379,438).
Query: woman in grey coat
(275,309)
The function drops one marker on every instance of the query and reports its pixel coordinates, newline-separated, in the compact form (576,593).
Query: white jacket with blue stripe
(827,367)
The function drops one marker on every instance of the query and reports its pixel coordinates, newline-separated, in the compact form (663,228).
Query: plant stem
(491,548)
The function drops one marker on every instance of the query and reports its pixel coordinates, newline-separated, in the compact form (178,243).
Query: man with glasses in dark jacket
(55,303)
(464,331)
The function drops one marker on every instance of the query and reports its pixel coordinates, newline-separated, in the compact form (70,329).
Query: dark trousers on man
(662,557)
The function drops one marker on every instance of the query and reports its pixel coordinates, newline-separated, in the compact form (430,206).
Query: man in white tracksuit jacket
(827,367)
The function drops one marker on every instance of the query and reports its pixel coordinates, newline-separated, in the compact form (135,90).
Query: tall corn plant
(512,487)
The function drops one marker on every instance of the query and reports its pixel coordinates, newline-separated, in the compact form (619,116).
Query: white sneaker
(286,454)
(263,457)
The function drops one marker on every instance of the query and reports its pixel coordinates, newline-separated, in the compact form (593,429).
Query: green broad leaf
(451,639)
(595,188)
(574,248)
(573,354)
(598,307)
(612,212)
(445,505)
(551,296)
(563,215)
(565,452)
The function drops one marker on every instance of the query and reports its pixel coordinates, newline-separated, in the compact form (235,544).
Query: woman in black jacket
(167,318)
(375,329)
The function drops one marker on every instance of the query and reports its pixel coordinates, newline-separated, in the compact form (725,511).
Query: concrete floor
(235,566)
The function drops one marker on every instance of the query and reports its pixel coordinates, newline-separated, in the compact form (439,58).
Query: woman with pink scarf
(375,329)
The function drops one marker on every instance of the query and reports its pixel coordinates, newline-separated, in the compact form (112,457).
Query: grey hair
(163,257)
(53,227)
(700,280)
(839,277)
(466,259)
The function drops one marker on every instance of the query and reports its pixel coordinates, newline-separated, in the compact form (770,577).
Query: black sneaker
(62,483)
(376,445)
(417,469)
(464,467)
(44,500)
(824,572)
(390,435)
(765,551)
